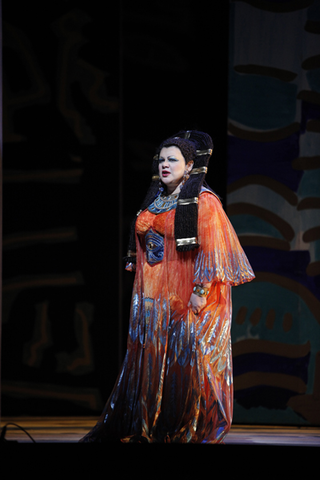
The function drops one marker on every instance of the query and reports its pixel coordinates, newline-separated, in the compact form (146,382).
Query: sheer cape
(175,384)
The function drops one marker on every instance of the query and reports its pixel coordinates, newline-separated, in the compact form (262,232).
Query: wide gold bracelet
(200,290)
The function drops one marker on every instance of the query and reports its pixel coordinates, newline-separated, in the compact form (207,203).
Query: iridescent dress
(176,383)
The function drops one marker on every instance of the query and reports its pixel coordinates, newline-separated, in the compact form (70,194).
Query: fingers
(193,308)
(196,304)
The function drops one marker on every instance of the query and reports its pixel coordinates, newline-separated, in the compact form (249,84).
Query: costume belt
(154,247)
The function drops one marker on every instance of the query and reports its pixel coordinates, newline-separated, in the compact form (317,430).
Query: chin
(165,183)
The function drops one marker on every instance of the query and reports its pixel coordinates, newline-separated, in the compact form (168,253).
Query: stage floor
(71,429)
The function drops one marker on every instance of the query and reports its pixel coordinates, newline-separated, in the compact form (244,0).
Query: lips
(165,173)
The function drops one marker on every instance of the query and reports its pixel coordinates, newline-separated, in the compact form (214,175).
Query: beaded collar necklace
(163,203)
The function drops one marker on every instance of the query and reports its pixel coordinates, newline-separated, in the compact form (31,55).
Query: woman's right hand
(197,303)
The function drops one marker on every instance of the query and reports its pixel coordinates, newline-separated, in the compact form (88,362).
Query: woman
(176,384)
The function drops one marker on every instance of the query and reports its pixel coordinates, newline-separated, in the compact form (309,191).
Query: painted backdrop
(89,91)
(274,205)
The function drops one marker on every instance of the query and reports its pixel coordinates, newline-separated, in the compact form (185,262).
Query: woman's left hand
(197,303)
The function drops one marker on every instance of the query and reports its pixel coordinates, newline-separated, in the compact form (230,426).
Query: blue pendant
(154,247)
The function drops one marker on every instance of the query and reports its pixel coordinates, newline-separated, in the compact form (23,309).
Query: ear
(189,166)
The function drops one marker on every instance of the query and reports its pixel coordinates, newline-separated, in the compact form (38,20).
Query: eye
(161,160)
(173,159)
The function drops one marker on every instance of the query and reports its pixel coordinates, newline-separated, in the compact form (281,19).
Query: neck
(173,189)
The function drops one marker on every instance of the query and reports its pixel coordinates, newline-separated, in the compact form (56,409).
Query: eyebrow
(171,157)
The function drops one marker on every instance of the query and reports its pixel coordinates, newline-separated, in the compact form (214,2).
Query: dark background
(90,90)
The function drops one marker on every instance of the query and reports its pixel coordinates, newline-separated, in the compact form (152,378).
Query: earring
(186,174)
(185,177)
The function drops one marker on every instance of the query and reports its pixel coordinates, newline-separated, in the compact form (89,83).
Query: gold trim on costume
(194,171)
(155,177)
(204,152)
(187,201)
(186,241)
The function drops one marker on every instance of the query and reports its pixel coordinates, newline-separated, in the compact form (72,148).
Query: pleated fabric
(176,384)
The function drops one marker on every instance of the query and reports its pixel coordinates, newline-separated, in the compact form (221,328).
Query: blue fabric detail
(154,247)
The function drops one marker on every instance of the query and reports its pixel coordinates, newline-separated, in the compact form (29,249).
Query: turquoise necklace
(163,203)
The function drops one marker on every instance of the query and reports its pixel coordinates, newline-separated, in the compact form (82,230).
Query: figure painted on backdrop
(176,383)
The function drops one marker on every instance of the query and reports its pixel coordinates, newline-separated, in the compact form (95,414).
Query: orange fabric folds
(176,383)
(221,257)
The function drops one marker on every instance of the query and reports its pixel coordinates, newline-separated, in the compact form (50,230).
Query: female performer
(176,384)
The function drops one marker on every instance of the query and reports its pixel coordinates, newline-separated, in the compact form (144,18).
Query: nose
(165,163)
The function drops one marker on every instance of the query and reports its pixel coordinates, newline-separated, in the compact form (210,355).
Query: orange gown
(176,383)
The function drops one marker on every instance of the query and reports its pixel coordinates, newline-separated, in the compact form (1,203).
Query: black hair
(195,146)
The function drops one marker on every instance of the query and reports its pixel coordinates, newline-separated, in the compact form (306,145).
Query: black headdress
(197,147)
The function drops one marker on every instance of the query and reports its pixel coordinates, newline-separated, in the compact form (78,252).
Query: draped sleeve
(220,257)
